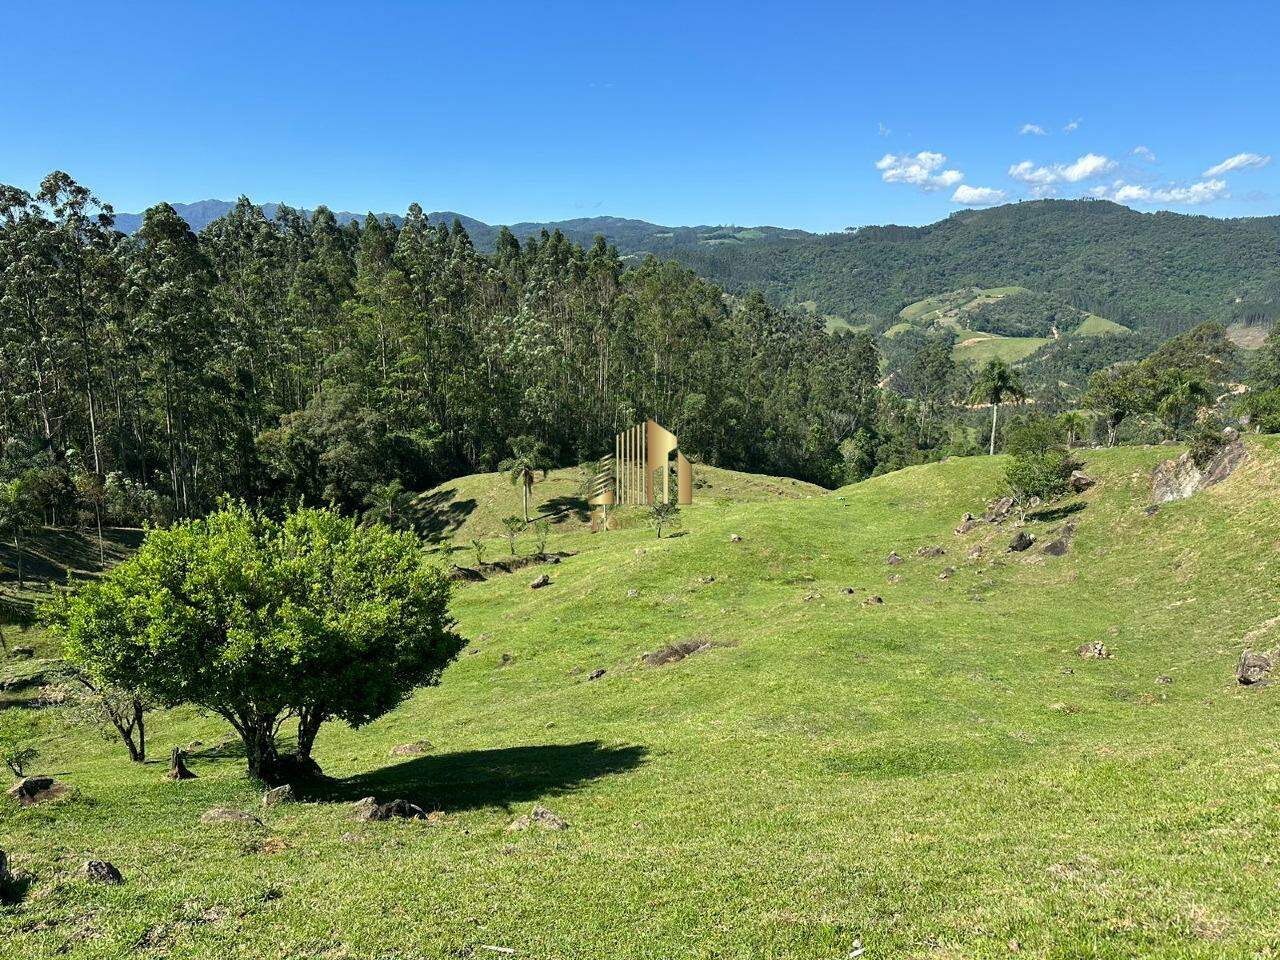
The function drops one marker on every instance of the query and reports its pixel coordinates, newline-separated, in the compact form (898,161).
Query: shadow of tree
(437,514)
(486,778)
(51,553)
(562,508)
(1057,513)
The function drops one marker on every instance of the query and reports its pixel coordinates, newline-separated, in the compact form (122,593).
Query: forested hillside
(298,358)
(1163,272)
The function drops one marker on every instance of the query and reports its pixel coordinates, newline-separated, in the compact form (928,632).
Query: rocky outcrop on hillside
(1180,478)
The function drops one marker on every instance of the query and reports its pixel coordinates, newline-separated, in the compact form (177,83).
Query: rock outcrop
(30,791)
(1254,667)
(1180,478)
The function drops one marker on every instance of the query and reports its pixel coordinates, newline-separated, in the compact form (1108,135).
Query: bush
(18,733)
(1044,476)
(1263,410)
(259,620)
(1205,445)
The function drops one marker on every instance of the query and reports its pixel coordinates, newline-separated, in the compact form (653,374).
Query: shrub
(18,732)
(259,620)
(664,515)
(1044,476)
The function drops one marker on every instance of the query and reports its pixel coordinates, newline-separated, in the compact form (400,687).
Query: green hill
(935,775)
(1163,272)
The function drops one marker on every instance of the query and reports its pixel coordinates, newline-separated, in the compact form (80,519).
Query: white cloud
(1072,127)
(1032,128)
(977,196)
(884,131)
(1193,194)
(1241,161)
(924,170)
(1083,168)
(1144,153)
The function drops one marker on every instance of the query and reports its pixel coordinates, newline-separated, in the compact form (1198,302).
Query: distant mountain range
(630,236)
(1158,271)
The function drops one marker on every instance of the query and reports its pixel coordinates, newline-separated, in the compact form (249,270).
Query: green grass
(900,327)
(936,776)
(978,348)
(1095,326)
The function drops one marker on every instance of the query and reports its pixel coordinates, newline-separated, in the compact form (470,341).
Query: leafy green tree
(997,383)
(258,620)
(542,530)
(663,515)
(513,526)
(1115,393)
(18,514)
(18,734)
(389,503)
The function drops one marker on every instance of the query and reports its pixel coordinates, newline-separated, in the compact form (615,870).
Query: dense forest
(1163,272)
(296,358)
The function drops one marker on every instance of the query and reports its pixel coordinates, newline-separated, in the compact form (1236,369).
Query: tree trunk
(995,412)
(177,767)
(309,721)
(526,502)
(138,754)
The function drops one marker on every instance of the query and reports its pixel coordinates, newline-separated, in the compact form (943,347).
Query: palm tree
(522,468)
(997,383)
(388,503)
(1073,423)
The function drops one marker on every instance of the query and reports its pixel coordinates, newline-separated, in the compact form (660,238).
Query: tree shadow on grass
(1057,513)
(486,778)
(437,514)
(560,509)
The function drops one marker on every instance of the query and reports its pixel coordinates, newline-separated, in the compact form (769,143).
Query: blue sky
(815,115)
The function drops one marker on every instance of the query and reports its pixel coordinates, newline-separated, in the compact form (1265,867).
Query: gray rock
(99,871)
(362,810)
(734,538)
(30,791)
(1253,667)
(998,510)
(1058,548)
(1021,541)
(893,559)
(539,817)
(1094,650)
(369,809)
(277,796)
(596,674)
(1180,478)
(540,581)
(947,573)
(229,815)
(632,593)
(1080,481)
(873,601)
(417,748)
(931,552)
(975,553)
(967,523)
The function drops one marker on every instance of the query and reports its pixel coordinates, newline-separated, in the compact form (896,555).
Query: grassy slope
(474,506)
(934,777)
(978,348)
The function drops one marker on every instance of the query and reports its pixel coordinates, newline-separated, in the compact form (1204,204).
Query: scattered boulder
(1058,548)
(596,674)
(540,581)
(178,767)
(1080,481)
(676,652)
(417,748)
(894,559)
(848,591)
(930,553)
(99,871)
(734,538)
(370,810)
(1180,478)
(893,578)
(707,579)
(967,523)
(1253,667)
(30,791)
(873,600)
(812,596)
(975,553)
(1094,650)
(229,815)
(998,510)
(1164,679)
(277,796)
(1021,541)
(539,817)
(505,659)
(947,573)
(632,593)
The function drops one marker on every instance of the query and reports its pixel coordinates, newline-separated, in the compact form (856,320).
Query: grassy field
(978,348)
(1096,326)
(474,506)
(936,776)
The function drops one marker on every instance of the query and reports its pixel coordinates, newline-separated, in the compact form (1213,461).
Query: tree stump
(178,767)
